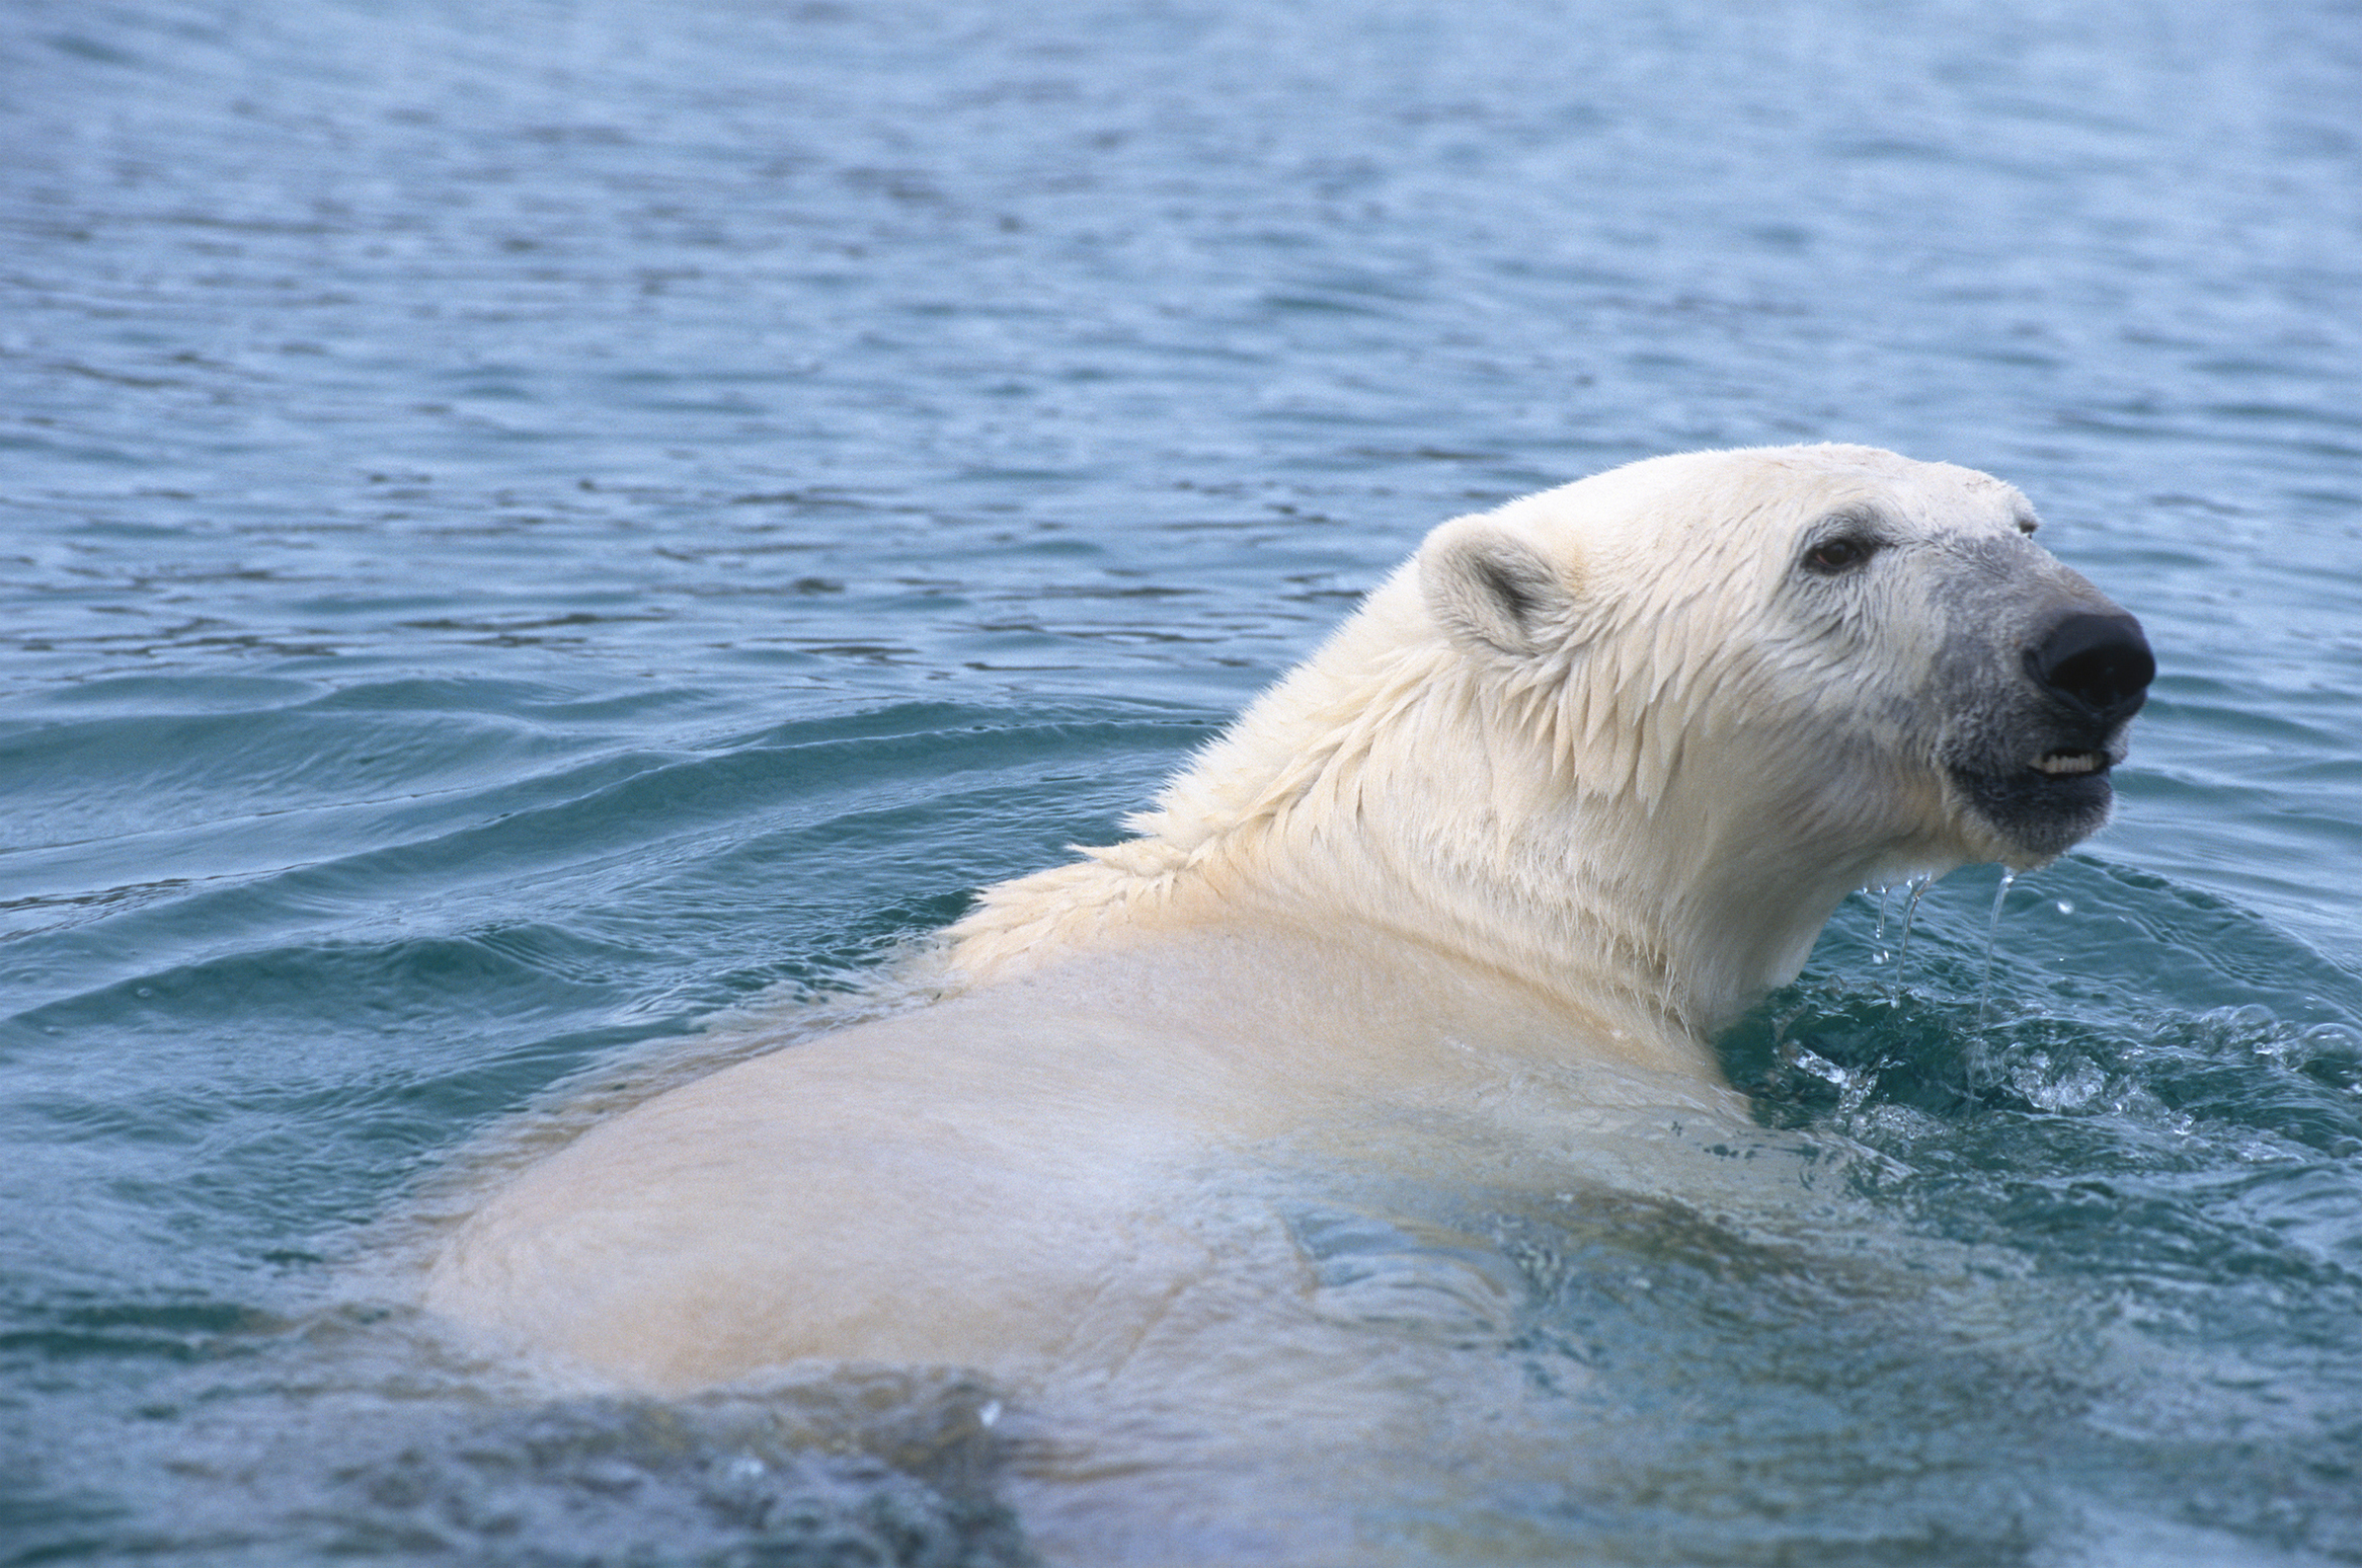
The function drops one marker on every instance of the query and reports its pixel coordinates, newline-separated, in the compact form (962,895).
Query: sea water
(526,528)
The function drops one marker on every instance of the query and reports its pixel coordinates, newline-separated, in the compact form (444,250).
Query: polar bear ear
(1489,588)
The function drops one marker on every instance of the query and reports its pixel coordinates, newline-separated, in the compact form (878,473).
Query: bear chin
(2040,815)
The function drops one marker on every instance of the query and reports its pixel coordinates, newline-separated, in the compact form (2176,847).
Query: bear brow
(1855,516)
(1855,520)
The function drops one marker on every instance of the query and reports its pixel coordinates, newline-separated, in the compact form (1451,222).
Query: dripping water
(1919,887)
(1993,928)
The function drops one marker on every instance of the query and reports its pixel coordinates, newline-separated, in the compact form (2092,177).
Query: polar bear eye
(1842,554)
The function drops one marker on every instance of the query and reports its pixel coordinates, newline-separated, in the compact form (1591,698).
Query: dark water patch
(2181,1143)
(316,984)
(172,772)
(861,1468)
(185,1330)
(157,696)
(470,824)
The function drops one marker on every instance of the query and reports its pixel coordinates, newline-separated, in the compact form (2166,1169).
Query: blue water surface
(528,524)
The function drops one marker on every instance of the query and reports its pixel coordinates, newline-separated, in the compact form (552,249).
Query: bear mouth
(2043,807)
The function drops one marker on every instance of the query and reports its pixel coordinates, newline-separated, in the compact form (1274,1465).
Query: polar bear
(1576,785)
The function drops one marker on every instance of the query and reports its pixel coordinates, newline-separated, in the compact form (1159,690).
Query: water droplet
(2063,907)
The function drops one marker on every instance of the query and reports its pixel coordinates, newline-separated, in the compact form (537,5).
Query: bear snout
(2099,663)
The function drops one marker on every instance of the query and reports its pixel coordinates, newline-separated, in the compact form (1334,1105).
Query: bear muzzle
(2037,773)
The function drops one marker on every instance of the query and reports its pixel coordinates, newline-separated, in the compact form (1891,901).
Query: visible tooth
(2058,762)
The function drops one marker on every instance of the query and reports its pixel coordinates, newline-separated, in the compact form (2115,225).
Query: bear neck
(1389,786)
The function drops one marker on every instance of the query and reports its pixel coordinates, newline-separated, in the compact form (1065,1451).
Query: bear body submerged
(1484,874)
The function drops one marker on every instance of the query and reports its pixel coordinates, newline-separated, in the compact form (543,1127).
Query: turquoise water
(525,526)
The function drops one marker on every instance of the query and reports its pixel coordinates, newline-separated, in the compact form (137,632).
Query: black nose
(2100,663)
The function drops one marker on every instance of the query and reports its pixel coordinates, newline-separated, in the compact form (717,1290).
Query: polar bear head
(1834,635)
(1764,677)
